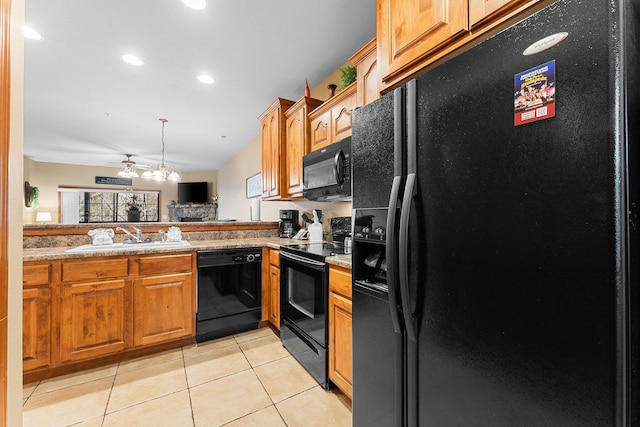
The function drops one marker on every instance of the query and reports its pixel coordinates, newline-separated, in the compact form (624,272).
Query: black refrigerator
(495,252)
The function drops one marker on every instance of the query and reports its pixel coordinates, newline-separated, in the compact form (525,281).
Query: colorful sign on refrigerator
(535,94)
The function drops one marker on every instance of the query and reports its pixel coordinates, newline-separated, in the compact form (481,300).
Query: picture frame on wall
(254,186)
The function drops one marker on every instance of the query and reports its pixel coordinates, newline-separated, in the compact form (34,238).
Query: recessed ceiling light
(206,79)
(32,34)
(133,60)
(195,4)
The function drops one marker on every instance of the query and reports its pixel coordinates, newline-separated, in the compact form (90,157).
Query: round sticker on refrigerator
(545,43)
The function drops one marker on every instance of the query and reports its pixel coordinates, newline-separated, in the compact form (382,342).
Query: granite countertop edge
(47,254)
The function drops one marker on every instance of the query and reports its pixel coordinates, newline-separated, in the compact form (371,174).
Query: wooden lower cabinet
(274,288)
(85,309)
(340,329)
(36,315)
(163,308)
(36,327)
(95,319)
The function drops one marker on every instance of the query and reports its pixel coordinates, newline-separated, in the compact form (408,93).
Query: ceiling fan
(129,168)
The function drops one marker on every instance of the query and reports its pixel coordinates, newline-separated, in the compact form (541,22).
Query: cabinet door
(273,139)
(163,308)
(274,285)
(270,155)
(320,136)
(341,120)
(36,327)
(340,343)
(367,76)
(94,319)
(296,148)
(407,30)
(297,144)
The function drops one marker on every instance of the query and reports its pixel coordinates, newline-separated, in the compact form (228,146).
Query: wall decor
(254,186)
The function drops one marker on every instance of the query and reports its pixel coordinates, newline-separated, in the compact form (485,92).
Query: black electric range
(304,293)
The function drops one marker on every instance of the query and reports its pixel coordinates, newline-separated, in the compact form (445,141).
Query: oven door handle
(306,261)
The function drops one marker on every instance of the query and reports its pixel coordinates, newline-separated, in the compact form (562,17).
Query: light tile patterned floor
(240,381)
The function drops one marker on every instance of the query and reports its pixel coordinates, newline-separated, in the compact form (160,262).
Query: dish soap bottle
(315,229)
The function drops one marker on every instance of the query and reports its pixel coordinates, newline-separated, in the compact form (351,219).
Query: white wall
(232,179)
(49,176)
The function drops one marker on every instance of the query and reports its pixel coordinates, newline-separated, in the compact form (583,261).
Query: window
(83,205)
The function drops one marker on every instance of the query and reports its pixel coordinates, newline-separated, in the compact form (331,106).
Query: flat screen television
(192,192)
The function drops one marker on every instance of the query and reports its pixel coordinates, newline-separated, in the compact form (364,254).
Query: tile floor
(244,380)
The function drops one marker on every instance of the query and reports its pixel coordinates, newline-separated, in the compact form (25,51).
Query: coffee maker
(289,223)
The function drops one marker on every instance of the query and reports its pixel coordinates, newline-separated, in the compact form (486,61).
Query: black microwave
(326,173)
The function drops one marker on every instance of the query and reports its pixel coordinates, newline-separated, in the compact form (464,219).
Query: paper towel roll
(255,209)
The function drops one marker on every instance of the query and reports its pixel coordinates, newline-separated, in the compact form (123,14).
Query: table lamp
(43,217)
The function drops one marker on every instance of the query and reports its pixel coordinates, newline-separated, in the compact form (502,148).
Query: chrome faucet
(138,233)
(163,235)
(137,237)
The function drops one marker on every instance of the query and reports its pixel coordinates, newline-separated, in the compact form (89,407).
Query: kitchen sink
(129,246)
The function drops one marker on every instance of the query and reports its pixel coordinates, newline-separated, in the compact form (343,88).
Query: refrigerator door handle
(405,297)
(391,250)
(391,256)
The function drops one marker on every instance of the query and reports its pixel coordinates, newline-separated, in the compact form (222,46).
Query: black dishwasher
(229,292)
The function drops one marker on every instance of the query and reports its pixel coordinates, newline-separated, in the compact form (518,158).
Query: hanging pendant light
(162,172)
(128,168)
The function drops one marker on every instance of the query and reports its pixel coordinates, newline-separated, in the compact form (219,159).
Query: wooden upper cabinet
(273,134)
(332,121)
(408,30)
(298,133)
(415,34)
(480,9)
(368,78)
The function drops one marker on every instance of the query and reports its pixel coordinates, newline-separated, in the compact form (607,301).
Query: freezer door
(514,236)
(372,153)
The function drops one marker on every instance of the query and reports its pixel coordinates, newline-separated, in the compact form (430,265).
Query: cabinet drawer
(340,281)
(36,274)
(161,264)
(274,257)
(96,269)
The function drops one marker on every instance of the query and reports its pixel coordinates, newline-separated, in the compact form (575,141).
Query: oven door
(303,295)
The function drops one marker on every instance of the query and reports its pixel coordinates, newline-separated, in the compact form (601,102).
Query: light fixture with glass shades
(128,168)
(162,172)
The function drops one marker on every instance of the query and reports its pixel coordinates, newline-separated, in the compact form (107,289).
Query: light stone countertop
(43,254)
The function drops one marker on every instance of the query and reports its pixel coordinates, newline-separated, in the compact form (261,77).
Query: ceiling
(84,105)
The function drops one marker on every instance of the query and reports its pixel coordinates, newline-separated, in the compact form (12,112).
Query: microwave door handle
(338,168)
